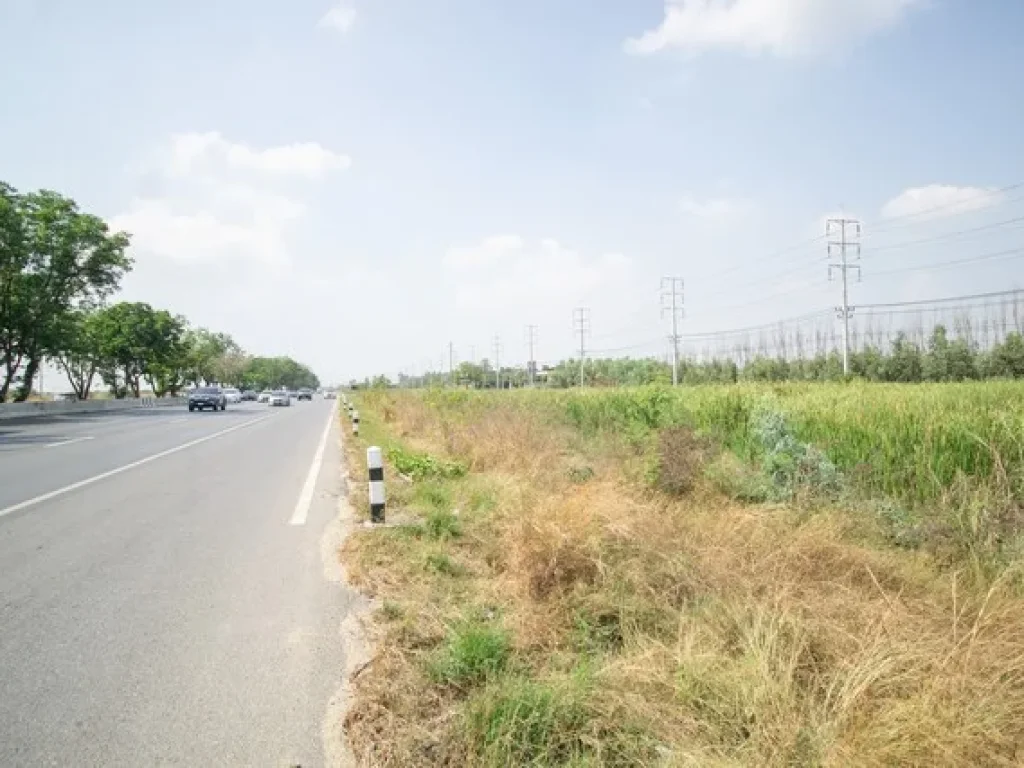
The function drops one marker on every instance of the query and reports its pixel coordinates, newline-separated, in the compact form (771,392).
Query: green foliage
(274,373)
(132,341)
(442,524)
(473,652)
(907,443)
(54,260)
(422,465)
(516,721)
(788,462)
(58,265)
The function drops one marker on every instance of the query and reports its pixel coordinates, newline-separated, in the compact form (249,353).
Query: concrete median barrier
(59,407)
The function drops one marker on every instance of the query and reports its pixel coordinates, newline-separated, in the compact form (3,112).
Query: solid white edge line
(306,497)
(126,467)
(69,441)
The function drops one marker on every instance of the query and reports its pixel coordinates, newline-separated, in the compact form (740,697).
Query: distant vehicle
(249,396)
(233,395)
(264,396)
(201,398)
(305,394)
(280,397)
(330,394)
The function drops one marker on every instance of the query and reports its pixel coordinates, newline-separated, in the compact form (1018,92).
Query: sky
(359,184)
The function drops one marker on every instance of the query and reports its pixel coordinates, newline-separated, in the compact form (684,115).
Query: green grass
(442,525)
(908,442)
(523,722)
(473,652)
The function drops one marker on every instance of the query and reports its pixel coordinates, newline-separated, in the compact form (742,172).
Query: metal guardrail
(64,407)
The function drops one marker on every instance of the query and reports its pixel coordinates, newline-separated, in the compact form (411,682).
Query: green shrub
(419,466)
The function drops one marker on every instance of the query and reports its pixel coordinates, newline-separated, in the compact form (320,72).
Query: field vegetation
(746,575)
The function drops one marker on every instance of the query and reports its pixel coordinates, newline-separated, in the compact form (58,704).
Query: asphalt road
(167,587)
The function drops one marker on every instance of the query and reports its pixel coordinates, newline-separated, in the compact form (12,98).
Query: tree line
(59,267)
(940,359)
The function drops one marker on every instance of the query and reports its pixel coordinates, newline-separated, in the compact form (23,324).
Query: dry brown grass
(711,633)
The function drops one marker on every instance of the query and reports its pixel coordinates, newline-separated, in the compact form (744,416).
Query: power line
(971,297)
(1010,253)
(763,327)
(911,218)
(946,236)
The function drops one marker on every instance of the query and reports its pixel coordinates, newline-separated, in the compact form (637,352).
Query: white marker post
(355,422)
(375,462)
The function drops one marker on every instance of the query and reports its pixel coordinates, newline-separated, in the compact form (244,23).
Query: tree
(136,341)
(1007,359)
(231,367)
(54,259)
(206,350)
(78,354)
(904,363)
(948,360)
(166,367)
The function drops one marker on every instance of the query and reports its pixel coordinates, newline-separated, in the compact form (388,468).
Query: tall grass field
(746,575)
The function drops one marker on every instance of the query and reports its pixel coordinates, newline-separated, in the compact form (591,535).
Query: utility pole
(531,365)
(497,362)
(581,326)
(841,253)
(451,364)
(672,302)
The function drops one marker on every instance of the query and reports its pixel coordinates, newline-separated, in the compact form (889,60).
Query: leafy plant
(422,465)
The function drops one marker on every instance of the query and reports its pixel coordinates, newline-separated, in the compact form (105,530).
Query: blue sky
(356,184)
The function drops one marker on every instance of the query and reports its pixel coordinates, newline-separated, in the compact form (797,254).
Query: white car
(280,398)
(264,396)
(233,395)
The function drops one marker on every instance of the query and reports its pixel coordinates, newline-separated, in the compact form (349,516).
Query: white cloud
(198,151)
(714,209)
(778,27)
(940,200)
(209,211)
(507,271)
(195,230)
(340,18)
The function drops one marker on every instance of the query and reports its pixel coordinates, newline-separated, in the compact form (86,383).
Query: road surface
(166,587)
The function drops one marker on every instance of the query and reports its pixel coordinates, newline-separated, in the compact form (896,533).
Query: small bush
(442,524)
(419,466)
(681,459)
(473,652)
(789,463)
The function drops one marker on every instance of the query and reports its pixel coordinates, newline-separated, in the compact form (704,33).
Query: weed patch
(472,653)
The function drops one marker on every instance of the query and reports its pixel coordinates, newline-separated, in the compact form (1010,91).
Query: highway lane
(170,614)
(41,454)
